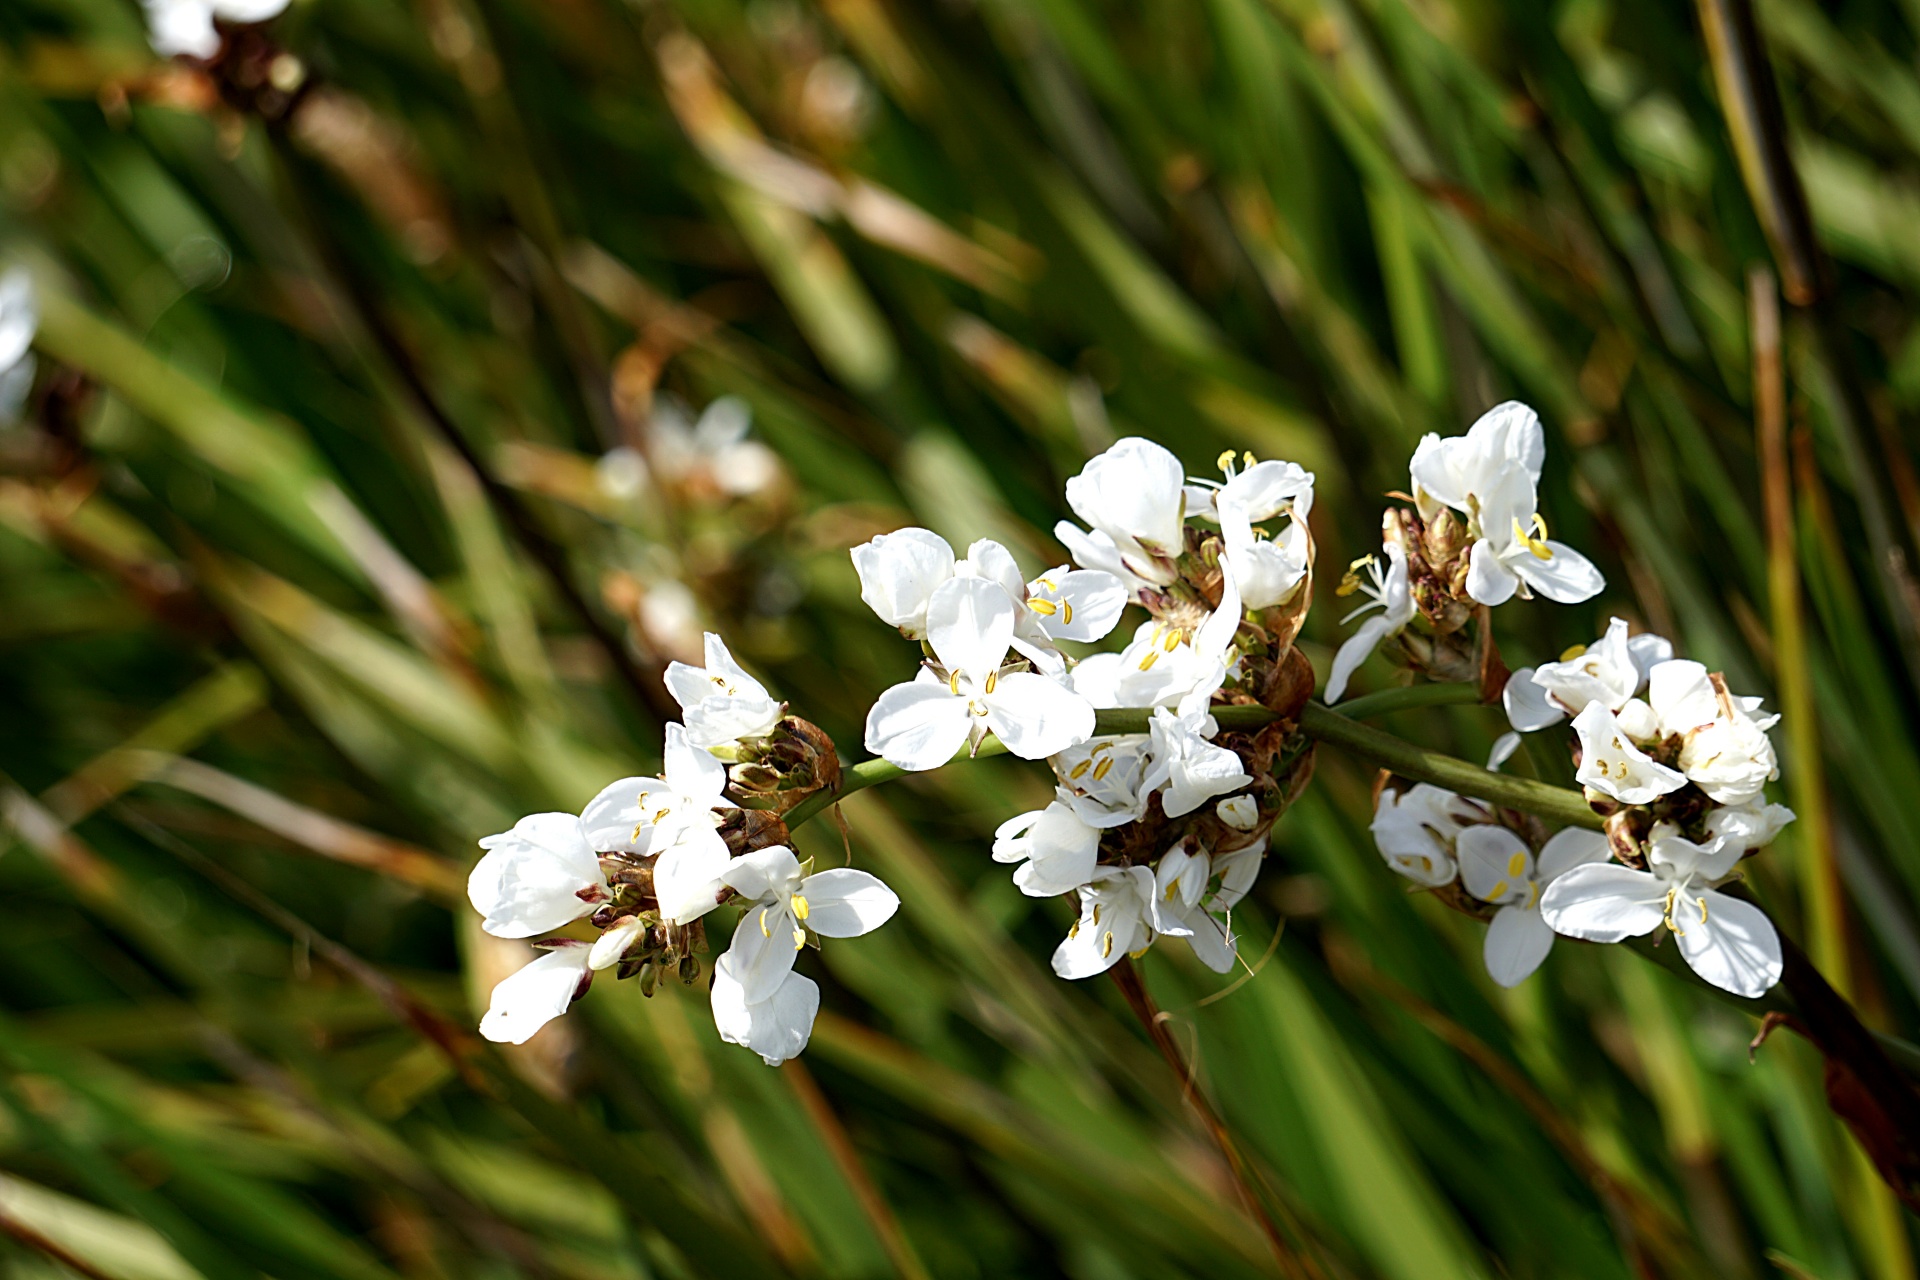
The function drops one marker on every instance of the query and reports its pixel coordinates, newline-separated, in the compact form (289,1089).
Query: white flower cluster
(993,665)
(646,860)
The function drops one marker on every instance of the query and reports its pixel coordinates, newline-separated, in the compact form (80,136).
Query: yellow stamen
(1703,909)
(1096,913)
(1066,612)
(993,679)
(799,939)
(800,908)
(1247,458)
(1102,769)
(1533,893)
(1498,890)
(765,932)
(1150,659)
(1106,948)
(1078,771)
(953,683)
(1572,652)
(1074,932)
(1172,641)
(1534,538)
(1225,461)
(1045,608)
(1517,865)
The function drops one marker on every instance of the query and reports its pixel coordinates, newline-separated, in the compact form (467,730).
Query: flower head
(1386,591)
(1133,494)
(1269,570)
(675,818)
(1612,764)
(536,877)
(1415,830)
(1116,913)
(721,703)
(1497,867)
(1056,849)
(785,905)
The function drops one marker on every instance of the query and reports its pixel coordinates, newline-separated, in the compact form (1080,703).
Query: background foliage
(282,635)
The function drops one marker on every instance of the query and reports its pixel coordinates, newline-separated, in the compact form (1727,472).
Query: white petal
(1604,902)
(1648,651)
(918,725)
(1569,848)
(763,948)
(618,819)
(541,991)
(1517,941)
(1132,492)
(1060,849)
(1242,813)
(844,903)
(1094,602)
(686,879)
(1510,432)
(1034,717)
(611,945)
(970,625)
(248,10)
(762,873)
(690,770)
(1528,707)
(1503,748)
(19,316)
(1567,577)
(1734,947)
(530,878)
(777,1028)
(176,27)
(898,572)
(1489,580)
(1747,827)
(1611,764)
(1212,944)
(1495,864)
(1357,648)
(1682,696)
(988,559)
(1124,897)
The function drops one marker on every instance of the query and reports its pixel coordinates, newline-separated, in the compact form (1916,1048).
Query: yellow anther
(1351,582)
(1172,641)
(1533,893)
(1247,458)
(1172,889)
(800,908)
(993,680)
(1152,657)
(953,683)
(1079,771)
(1533,538)
(1106,948)
(1102,769)
(799,939)
(1098,747)
(1497,890)
(765,932)
(1666,913)
(1066,612)
(1096,913)
(1572,652)
(1045,608)
(1703,910)
(1517,865)
(1225,461)
(1074,931)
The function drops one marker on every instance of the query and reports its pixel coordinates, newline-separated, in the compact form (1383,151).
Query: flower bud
(776,772)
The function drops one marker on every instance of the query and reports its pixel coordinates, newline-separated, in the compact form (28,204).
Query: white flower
(1611,764)
(721,702)
(898,574)
(1491,476)
(1116,908)
(1242,813)
(1103,778)
(1459,471)
(1724,749)
(1389,592)
(715,449)
(1609,671)
(1056,848)
(1728,942)
(836,903)
(1744,828)
(923,723)
(176,27)
(776,1028)
(1497,867)
(1181,911)
(673,817)
(1415,832)
(1268,570)
(1079,604)
(19,320)
(1191,769)
(540,991)
(1165,665)
(536,877)
(1237,869)
(1133,493)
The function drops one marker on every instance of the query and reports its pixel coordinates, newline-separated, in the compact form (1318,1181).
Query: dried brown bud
(776,772)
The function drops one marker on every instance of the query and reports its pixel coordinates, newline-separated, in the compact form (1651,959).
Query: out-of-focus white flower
(537,993)
(185,27)
(1134,494)
(1497,867)
(776,1028)
(1611,764)
(784,904)
(1056,849)
(1388,592)
(715,450)
(1415,832)
(1103,778)
(1728,942)
(923,723)
(674,817)
(1186,768)
(1491,475)
(1116,911)
(721,702)
(536,877)
(19,321)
